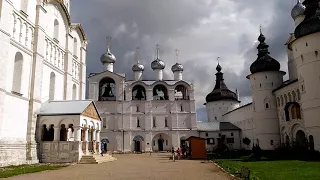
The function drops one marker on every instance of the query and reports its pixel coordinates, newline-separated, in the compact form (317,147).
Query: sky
(202,30)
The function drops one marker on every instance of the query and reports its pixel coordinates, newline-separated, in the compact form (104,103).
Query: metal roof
(216,126)
(64,107)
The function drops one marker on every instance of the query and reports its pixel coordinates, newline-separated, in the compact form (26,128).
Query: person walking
(173,154)
(179,152)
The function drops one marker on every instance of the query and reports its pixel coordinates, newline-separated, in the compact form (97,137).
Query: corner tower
(265,77)
(221,99)
(306,50)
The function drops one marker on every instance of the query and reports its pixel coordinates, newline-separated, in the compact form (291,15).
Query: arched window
(267,103)
(138,109)
(24,6)
(295,112)
(160,92)
(294,96)
(51,133)
(75,47)
(63,133)
(52,86)
(44,133)
(107,89)
(181,93)
(298,94)
(139,93)
(74,92)
(17,73)
(56,30)
(154,121)
(285,99)
(138,122)
(181,107)
(289,96)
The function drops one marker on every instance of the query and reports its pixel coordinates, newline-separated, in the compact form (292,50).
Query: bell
(139,94)
(107,91)
(155,92)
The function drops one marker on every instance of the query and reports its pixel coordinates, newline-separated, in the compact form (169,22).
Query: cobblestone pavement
(134,167)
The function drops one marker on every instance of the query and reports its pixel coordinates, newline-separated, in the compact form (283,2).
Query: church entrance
(160,144)
(137,146)
(301,138)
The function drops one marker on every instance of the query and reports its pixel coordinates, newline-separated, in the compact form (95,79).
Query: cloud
(202,30)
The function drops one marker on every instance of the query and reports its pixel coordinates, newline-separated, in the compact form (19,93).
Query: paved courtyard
(134,167)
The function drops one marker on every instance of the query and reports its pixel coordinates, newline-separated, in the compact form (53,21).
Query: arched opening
(107,90)
(267,103)
(52,86)
(289,96)
(44,133)
(56,29)
(298,94)
(138,143)
(74,92)
(161,142)
(292,111)
(139,93)
(301,138)
(75,47)
(138,122)
(294,96)
(17,73)
(285,99)
(70,136)
(311,142)
(63,132)
(160,92)
(181,93)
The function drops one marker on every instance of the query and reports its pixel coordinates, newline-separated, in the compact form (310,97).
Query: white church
(45,117)
(281,111)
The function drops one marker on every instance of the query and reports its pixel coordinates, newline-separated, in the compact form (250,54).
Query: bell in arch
(108,91)
(139,94)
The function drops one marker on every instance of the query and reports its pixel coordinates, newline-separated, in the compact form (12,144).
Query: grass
(275,170)
(10,171)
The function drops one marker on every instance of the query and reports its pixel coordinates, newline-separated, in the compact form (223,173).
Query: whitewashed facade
(283,111)
(42,57)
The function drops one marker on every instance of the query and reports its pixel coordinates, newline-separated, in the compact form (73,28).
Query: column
(94,145)
(98,141)
(56,134)
(77,133)
(94,135)
(86,140)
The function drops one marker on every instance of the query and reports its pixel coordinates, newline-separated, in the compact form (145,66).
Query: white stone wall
(236,135)
(216,110)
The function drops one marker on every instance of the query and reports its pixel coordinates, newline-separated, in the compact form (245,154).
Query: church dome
(177,67)
(108,57)
(138,67)
(298,10)
(158,64)
(264,62)
(220,91)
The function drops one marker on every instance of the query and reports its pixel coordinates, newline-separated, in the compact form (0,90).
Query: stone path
(134,167)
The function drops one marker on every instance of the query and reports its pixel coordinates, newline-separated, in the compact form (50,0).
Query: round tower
(221,99)
(297,13)
(137,68)
(108,59)
(265,77)
(306,50)
(158,65)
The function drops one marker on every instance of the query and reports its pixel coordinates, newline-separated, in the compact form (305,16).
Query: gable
(91,112)
(97,77)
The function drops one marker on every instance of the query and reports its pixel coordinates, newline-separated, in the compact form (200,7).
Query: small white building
(66,130)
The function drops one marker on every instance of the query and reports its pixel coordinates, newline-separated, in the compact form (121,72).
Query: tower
(158,65)
(137,68)
(221,99)
(265,77)
(297,13)
(108,59)
(177,68)
(307,58)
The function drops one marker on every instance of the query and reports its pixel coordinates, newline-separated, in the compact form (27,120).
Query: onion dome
(108,57)
(177,67)
(264,62)
(157,64)
(298,10)
(138,67)
(220,91)
(311,22)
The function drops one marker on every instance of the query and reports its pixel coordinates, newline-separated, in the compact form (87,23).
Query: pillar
(77,133)
(94,135)
(56,134)
(86,141)
(98,141)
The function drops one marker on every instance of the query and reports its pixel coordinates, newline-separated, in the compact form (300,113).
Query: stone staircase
(96,159)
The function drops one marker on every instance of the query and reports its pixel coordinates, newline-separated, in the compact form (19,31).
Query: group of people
(179,152)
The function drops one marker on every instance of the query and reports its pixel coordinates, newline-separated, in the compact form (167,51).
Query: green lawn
(24,169)
(276,170)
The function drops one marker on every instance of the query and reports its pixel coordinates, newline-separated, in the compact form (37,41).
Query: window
(215,118)
(210,140)
(138,122)
(230,140)
(181,107)
(267,105)
(56,30)
(154,121)
(166,142)
(232,134)
(74,92)
(271,142)
(165,122)
(104,123)
(17,73)
(75,47)
(138,110)
(206,134)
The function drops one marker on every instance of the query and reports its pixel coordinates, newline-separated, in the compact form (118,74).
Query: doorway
(105,147)
(301,138)
(160,144)
(137,146)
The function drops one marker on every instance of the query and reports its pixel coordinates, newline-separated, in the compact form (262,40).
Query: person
(102,149)
(173,155)
(179,152)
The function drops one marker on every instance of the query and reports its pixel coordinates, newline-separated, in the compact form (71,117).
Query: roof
(238,108)
(216,126)
(150,82)
(74,107)
(195,137)
(285,84)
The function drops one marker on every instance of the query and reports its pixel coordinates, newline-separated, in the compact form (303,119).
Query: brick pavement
(134,167)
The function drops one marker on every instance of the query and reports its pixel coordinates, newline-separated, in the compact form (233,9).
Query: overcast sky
(201,29)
